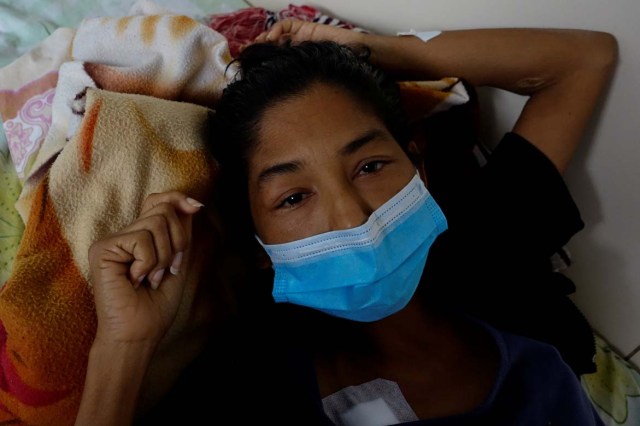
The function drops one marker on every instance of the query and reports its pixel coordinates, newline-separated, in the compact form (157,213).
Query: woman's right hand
(297,30)
(138,274)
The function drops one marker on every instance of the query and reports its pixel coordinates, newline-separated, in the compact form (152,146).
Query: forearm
(562,71)
(518,60)
(112,385)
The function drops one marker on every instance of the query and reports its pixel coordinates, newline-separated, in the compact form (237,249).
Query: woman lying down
(383,308)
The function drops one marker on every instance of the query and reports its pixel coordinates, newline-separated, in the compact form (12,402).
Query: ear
(416,158)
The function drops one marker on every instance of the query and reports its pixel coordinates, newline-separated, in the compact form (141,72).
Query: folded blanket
(166,56)
(127,147)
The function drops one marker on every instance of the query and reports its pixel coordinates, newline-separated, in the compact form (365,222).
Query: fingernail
(136,285)
(175,265)
(139,281)
(157,277)
(194,203)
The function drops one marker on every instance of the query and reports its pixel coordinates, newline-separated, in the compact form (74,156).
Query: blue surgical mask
(365,273)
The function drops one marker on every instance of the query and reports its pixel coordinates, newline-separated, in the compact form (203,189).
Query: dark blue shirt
(534,386)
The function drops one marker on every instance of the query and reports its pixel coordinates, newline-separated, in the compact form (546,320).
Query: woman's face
(323,162)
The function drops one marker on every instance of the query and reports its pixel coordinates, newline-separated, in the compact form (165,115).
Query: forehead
(322,117)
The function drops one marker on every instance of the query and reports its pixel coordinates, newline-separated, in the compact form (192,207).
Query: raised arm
(138,279)
(562,71)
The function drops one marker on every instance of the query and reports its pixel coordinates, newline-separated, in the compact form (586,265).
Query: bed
(41,115)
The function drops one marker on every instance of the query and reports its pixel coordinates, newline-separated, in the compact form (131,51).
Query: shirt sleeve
(519,201)
(494,261)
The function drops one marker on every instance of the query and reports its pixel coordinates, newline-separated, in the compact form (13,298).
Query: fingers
(297,30)
(110,257)
(177,199)
(141,245)
(166,221)
(126,314)
(158,254)
(267,36)
(278,29)
(282,30)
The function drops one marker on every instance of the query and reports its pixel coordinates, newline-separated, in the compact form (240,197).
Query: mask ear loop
(263,261)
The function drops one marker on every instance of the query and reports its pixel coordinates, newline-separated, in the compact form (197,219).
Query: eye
(292,200)
(372,167)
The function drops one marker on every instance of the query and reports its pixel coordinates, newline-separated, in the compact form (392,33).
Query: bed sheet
(615,388)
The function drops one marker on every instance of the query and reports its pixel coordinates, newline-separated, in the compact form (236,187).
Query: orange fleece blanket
(127,147)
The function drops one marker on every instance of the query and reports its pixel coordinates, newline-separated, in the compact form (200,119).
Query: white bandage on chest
(376,403)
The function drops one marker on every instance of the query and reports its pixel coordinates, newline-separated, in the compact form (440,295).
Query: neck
(419,348)
(411,328)
(400,347)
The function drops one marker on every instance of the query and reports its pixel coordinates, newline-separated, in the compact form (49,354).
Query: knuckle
(145,236)
(150,198)
(98,246)
(157,221)
(95,246)
(162,208)
(94,250)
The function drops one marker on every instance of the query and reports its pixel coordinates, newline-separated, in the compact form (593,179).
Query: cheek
(278,229)
(283,226)
(266,224)
(377,192)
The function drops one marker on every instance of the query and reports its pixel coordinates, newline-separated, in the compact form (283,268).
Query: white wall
(605,174)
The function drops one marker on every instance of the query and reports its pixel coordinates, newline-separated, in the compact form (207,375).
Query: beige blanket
(127,147)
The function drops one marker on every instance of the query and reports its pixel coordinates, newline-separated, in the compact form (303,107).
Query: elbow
(594,56)
(584,53)
(603,51)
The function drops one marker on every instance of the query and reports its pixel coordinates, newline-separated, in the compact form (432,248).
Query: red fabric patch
(241,27)
(11,382)
(303,13)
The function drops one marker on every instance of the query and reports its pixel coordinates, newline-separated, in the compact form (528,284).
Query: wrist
(115,373)
(122,353)
(410,56)
(387,50)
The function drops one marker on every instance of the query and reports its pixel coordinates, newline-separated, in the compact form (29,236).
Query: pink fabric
(26,132)
(240,27)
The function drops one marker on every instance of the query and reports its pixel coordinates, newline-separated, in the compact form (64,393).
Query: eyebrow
(367,137)
(294,166)
(278,169)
